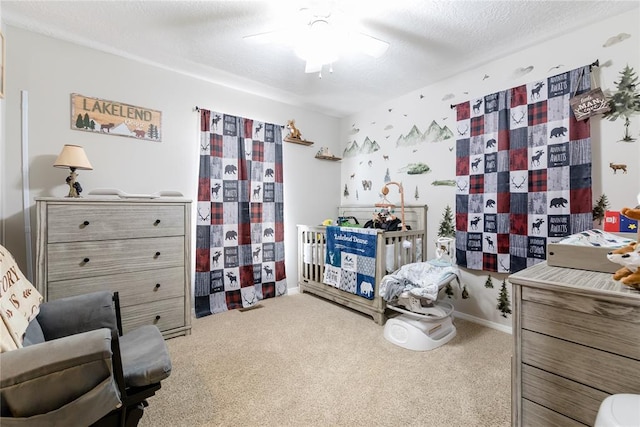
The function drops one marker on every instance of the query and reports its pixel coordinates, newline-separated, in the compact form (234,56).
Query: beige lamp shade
(73,156)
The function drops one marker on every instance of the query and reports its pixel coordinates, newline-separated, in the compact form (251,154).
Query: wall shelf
(298,141)
(332,158)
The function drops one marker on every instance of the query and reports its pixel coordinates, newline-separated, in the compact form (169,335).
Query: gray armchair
(76,370)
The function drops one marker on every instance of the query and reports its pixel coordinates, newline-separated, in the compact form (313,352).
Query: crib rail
(393,250)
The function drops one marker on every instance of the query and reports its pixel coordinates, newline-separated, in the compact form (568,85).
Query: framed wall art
(115,118)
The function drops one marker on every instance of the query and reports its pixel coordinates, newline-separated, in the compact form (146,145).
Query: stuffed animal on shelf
(628,256)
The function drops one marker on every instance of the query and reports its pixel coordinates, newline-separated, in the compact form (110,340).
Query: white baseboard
(483,322)
(463,316)
(293,291)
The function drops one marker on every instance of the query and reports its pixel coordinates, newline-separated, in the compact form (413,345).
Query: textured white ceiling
(429,40)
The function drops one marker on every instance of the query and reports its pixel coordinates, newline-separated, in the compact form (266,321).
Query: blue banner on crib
(350,262)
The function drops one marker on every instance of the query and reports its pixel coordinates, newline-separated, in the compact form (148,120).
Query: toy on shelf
(628,256)
(325,154)
(294,134)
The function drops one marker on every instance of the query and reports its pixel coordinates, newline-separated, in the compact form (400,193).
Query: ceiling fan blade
(369,45)
(277,36)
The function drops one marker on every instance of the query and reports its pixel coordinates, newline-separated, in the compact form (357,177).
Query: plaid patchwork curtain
(523,172)
(240,228)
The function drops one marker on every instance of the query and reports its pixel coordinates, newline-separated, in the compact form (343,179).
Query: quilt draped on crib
(350,262)
(523,173)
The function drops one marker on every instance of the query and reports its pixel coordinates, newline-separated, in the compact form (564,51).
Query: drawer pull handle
(157,317)
(157,222)
(85,223)
(157,286)
(157,254)
(86,260)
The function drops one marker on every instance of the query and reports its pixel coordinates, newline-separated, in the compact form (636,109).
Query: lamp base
(74,186)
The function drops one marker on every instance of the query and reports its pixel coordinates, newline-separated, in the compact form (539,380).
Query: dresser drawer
(604,333)
(612,373)
(133,288)
(98,258)
(103,221)
(559,394)
(165,314)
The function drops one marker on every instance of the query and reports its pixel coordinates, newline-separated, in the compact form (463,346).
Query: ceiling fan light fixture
(319,45)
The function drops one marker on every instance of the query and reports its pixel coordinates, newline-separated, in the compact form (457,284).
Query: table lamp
(73,157)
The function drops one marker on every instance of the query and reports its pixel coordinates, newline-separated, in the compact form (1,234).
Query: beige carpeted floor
(303,361)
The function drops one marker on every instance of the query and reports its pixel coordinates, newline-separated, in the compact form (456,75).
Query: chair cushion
(145,358)
(33,334)
(19,302)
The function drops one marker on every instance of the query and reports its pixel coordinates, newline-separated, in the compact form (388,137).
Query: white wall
(387,121)
(50,70)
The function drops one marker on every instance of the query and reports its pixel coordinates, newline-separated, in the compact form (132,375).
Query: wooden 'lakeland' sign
(115,118)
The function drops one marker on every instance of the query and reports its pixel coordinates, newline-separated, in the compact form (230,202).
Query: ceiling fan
(321,37)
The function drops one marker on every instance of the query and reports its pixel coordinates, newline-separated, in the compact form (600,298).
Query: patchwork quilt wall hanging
(523,173)
(240,228)
(350,262)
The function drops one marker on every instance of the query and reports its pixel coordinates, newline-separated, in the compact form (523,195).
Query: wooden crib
(311,266)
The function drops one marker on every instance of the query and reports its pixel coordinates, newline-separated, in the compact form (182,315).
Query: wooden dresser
(577,340)
(137,247)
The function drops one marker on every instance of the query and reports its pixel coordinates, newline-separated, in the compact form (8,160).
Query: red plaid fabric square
(204,189)
(279,236)
(461,221)
(463,111)
(246,276)
(217,213)
(248,128)
(234,299)
(477,126)
(519,224)
(518,159)
(244,234)
(279,174)
(268,290)
(537,181)
(504,202)
(489,262)
(280,271)
(257,151)
(462,166)
(579,129)
(205,120)
(243,171)
(216,145)
(519,96)
(476,184)
(538,113)
(256,213)
(580,200)
(503,139)
(503,243)
(202,259)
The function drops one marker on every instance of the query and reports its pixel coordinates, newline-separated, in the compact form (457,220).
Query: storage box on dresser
(137,247)
(576,342)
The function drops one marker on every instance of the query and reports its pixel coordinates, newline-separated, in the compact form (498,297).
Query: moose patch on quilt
(350,262)
(523,173)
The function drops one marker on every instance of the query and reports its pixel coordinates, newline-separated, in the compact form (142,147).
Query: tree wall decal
(625,102)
